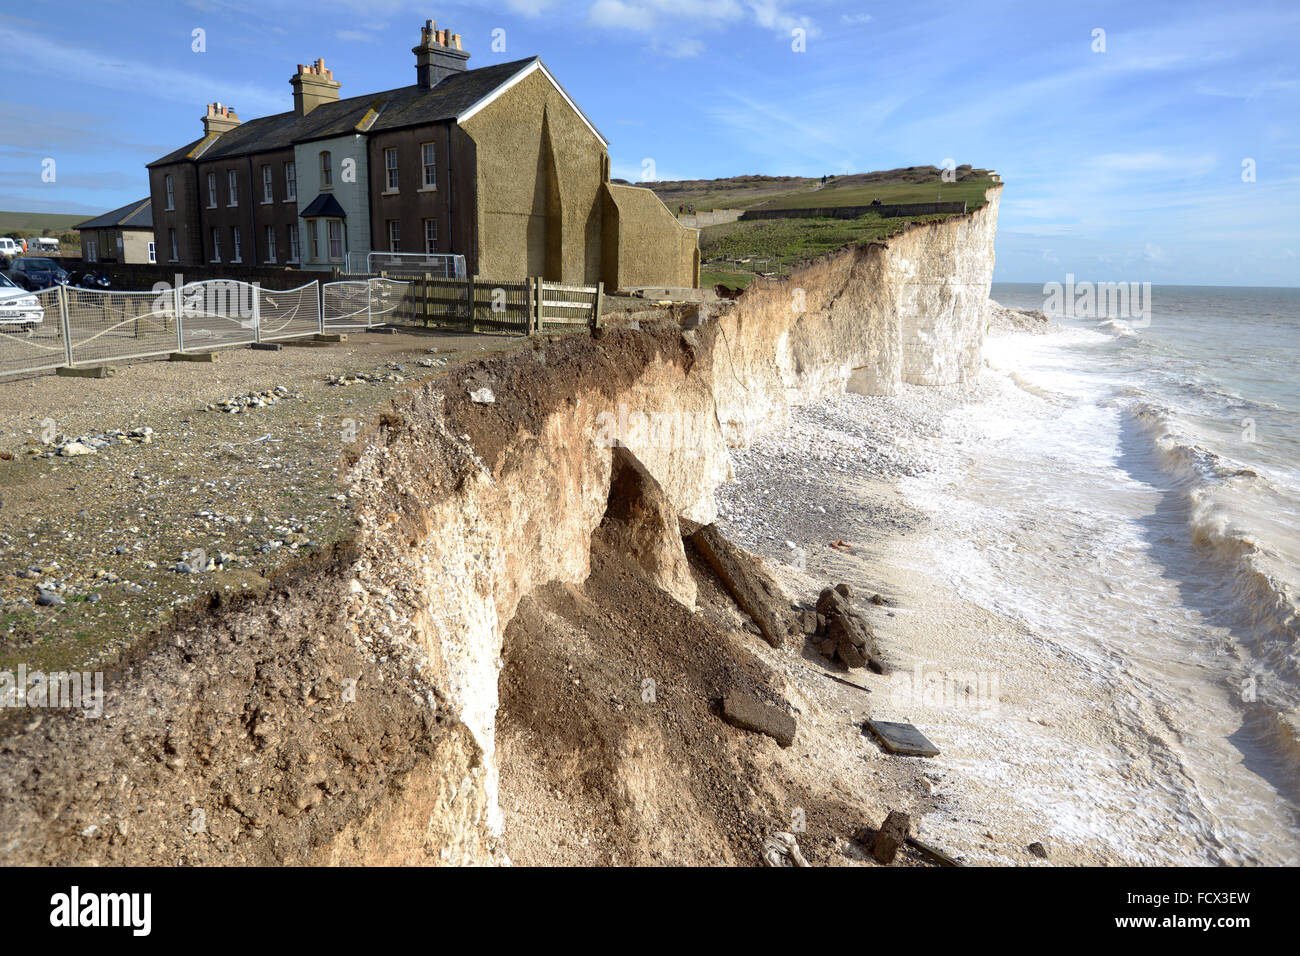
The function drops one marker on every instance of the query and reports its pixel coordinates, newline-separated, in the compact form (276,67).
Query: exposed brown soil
(251,737)
(594,773)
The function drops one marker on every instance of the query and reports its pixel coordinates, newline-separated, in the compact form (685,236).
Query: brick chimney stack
(438,56)
(313,85)
(219,119)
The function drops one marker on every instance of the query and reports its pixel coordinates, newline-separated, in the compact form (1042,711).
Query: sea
(1130,490)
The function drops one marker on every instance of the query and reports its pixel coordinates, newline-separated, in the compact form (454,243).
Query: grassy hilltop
(733,253)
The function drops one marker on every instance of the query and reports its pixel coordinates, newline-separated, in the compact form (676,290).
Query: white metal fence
(76,326)
(442,265)
(363,303)
(70,326)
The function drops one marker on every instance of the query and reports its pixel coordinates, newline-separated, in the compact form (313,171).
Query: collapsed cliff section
(351,714)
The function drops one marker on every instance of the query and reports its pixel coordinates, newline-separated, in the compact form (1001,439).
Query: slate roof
(136,215)
(395,109)
(324,205)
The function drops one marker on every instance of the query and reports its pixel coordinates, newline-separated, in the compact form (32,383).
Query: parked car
(34,273)
(9,248)
(18,306)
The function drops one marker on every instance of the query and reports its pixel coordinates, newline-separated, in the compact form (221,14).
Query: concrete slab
(902,739)
(194,357)
(265,346)
(87,371)
(741,710)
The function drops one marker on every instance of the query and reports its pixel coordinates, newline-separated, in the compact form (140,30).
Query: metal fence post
(65,322)
(596,321)
(180,335)
(257,312)
(320,306)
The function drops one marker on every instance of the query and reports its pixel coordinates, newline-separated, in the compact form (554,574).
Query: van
(45,246)
(9,248)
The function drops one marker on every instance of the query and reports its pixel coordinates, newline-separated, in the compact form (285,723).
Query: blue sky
(1120,165)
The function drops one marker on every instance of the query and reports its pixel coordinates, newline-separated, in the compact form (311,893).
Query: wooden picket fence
(475,304)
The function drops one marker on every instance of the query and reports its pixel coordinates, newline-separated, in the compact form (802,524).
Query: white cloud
(647,16)
(186,86)
(1174,165)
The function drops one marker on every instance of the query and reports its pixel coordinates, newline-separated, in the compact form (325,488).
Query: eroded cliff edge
(350,715)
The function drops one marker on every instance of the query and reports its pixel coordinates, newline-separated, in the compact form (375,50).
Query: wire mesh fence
(70,326)
(217,313)
(119,325)
(389,299)
(346,304)
(31,334)
(442,265)
(290,314)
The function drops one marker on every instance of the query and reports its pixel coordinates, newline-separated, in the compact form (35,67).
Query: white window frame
(232,188)
(216,244)
(270,243)
(236,247)
(212,190)
(293,245)
(315,239)
(326,169)
(176,252)
(268,185)
(428,167)
(291,181)
(391,179)
(170,186)
(430,242)
(330,225)
(394,230)
(153,253)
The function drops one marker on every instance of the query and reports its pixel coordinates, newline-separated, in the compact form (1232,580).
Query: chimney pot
(438,56)
(313,85)
(218,119)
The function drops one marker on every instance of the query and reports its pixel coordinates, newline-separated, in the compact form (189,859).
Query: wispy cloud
(28,50)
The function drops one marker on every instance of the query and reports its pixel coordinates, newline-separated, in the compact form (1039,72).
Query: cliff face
(908,311)
(463,510)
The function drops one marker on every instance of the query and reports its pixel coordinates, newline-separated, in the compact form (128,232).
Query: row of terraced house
(496,164)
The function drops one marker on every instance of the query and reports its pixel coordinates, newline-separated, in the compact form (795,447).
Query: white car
(18,306)
(9,248)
